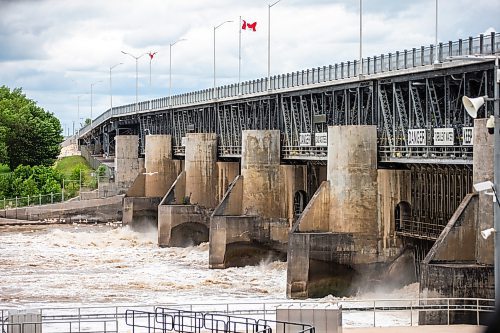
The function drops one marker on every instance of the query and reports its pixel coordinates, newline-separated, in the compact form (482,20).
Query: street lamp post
(78,114)
(91,99)
(436,57)
(269,44)
(111,87)
(170,72)
(360,36)
(215,28)
(136,77)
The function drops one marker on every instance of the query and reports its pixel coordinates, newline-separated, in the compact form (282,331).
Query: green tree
(28,134)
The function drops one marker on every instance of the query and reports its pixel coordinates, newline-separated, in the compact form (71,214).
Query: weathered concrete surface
(253,219)
(151,184)
(184,212)
(94,210)
(182,225)
(140,212)
(450,269)
(260,164)
(201,169)
(482,168)
(126,160)
(161,170)
(226,173)
(341,241)
(460,264)
(246,240)
(352,173)
(394,187)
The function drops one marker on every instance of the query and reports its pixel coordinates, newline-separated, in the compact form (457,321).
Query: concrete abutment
(140,205)
(184,212)
(341,239)
(253,219)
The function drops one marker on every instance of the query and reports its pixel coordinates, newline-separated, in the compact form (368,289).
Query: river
(81,265)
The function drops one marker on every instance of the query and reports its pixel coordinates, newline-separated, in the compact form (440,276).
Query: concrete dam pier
(340,226)
(357,179)
(258,209)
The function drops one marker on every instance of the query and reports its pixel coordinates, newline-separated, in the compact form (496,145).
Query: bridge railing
(416,57)
(458,153)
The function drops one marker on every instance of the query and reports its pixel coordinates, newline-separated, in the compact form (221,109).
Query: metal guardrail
(114,318)
(399,60)
(175,320)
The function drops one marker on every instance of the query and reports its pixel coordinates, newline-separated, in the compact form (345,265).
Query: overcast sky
(55,49)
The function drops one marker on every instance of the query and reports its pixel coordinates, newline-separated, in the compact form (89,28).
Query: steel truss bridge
(412,96)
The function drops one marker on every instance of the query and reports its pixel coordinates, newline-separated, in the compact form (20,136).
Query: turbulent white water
(74,265)
(79,264)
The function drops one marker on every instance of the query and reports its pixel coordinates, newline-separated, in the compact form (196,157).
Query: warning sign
(468,136)
(417,137)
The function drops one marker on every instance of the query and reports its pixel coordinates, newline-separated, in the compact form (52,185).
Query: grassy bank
(66,164)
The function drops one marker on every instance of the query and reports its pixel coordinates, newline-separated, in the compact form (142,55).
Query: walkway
(420,329)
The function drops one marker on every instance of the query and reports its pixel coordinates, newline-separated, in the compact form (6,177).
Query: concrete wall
(352,173)
(175,217)
(99,210)
(482,171)
(394,186)
(450,268)
(316,215)
(231,203)
(140,212)
(293,178)
(201,169)
(126,160)
(226,173)
(137,189)
(161,170)
(260,167)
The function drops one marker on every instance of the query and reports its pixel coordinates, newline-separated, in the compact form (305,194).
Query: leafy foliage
(28,134)
(28,181)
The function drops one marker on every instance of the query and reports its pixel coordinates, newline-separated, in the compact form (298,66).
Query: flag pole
(239,58)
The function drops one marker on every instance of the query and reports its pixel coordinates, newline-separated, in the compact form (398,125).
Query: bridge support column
(251,223)
(126,160)
(184,213)
(338,233)
(140,205)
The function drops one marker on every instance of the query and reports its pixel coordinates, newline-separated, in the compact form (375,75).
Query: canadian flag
(151,55)
(251,26)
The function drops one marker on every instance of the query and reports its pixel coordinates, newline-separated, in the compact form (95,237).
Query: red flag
(151,55)
(246,25)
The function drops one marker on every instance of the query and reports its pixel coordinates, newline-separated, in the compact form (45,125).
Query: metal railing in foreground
(355,313)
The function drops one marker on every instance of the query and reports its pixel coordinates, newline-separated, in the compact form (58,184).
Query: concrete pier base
(126,161)
(338,240)
(251,223)
(184,212)
(140,205)
(460,264)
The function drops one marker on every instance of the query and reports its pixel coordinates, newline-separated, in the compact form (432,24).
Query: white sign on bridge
(321,139)
(305,139)
(417,137)
(468,136)
(444,136)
